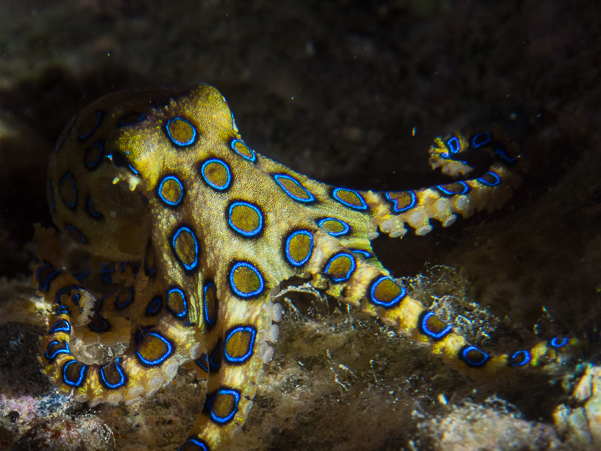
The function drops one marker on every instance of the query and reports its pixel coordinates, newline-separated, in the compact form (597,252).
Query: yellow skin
(202,230)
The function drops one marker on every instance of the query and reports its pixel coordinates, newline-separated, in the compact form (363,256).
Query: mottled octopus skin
(200,230)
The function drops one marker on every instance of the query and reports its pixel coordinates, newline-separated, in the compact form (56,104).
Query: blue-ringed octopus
(197,231)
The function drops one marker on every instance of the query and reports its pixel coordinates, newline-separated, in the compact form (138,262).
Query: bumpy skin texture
(199,230)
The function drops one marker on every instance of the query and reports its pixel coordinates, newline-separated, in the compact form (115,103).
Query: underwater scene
(336,225)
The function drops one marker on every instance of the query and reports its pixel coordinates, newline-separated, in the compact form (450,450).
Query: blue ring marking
(554,343)
(81,276)
(96,214)
(181,186)
(62,310)
(155,306)
(193,265)
(526,359)
(65,350)
(447,192)
(202,446)
(304,260)
(152,270)
(82,374)
(140,118)
(80,238)
(223,391)
(254,155)
(467,349)
(502,154)
(104,325)
(119,370)
(204,301)
(240,231)
(204,363)
(134,170)
(61,325)
(453,144)
(51,276)
(487,183)
(59,293)
(396,209)
(142,333)
(74,203)
(361,252)
(252,268)
(424,327)
(349,273)
(363,205)
(98,158)
(128,301)
(277,178)
(181,143)
(75,298)
(211,184)
(99,116)
(160,359)
(178,290)
(216,354)
(396,300)
(480,139)
(343,232)
(246,356)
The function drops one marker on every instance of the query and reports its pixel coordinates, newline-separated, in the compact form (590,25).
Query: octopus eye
(118,159)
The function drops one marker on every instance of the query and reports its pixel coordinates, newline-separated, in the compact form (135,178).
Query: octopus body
(197,231)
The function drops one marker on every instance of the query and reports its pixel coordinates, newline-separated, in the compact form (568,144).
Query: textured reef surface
(352,94)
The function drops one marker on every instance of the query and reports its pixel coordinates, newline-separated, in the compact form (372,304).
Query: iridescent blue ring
(62,325)
(341,233)
(202,446)
(233,146)
(307,257)
(453,144)
(181,187)
(487,183)
(526,358)
(163,357)
(86,135)
(155,306)
(192,265)
(227,418)
(558,342)
(246,356)
(350,271)
(396,209)
(481,139)
(252,268)
(78,235)
(181,143)
(211,184)
(82,373)
(63,180)
(466,359)
(183,295)
(363,205)
(447,192)
(119,370)
(209,321)
(242,231)
(66,350)
(428,332)
(394,301)
(310,196)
